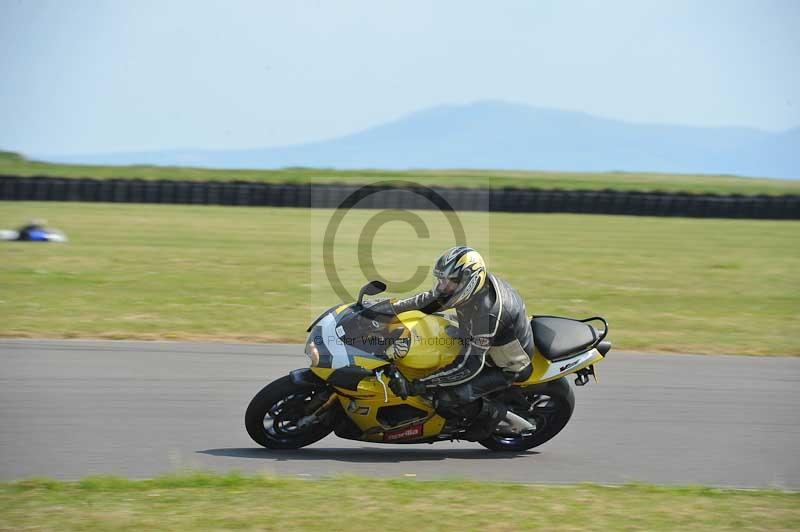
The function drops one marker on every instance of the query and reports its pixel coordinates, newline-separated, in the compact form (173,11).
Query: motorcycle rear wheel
(272,416)
(549,408)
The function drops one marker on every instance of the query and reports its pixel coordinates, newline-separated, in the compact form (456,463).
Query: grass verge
(234,502)
(13,164)
(256,274)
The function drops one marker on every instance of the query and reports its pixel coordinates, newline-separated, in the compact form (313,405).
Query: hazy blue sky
(83,76)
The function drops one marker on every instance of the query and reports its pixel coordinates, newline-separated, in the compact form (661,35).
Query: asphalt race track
(74,408)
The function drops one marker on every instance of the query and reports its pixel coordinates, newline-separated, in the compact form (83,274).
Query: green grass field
(12,164)
(232,502)
(256,274)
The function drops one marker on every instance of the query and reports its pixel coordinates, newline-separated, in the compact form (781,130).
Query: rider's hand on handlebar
(402,386)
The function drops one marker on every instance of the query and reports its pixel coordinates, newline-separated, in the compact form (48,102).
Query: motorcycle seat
(559,338)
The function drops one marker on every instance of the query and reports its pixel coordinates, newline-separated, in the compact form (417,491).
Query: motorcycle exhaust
(514,424)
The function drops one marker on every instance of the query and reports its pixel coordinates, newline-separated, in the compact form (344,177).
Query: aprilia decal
(414,431)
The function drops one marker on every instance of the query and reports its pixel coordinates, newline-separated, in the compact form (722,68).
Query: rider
(497,341)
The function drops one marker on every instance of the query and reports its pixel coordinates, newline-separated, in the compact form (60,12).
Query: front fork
(321,405)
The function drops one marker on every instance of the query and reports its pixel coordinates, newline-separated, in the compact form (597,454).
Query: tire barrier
(242,193)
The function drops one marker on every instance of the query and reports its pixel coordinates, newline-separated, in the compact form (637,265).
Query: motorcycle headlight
(312,353)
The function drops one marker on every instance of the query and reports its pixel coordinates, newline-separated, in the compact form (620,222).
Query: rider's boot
(490,415)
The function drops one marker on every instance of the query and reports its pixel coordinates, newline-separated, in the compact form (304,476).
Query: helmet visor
(444,286)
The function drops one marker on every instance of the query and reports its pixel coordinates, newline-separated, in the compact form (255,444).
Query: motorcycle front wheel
(273,416)
(548,407)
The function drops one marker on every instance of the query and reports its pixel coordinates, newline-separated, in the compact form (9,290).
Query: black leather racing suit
(497,344)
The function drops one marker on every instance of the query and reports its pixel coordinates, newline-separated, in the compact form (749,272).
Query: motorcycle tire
(550,419)
(275,431)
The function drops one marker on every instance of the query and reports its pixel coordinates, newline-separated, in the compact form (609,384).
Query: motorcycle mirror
(370,289)
(374,287)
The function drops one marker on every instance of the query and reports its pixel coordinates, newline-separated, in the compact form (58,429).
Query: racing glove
(404,387)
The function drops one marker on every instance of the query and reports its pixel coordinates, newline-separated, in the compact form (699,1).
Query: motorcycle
(34,234)
(352,357)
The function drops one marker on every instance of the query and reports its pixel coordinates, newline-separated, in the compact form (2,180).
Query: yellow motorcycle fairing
(545,370)
(364,405)
(431,347)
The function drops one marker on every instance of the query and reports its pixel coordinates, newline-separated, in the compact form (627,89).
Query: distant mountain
(500,135)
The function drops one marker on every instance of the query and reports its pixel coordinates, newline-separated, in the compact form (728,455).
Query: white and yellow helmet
(458,274)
